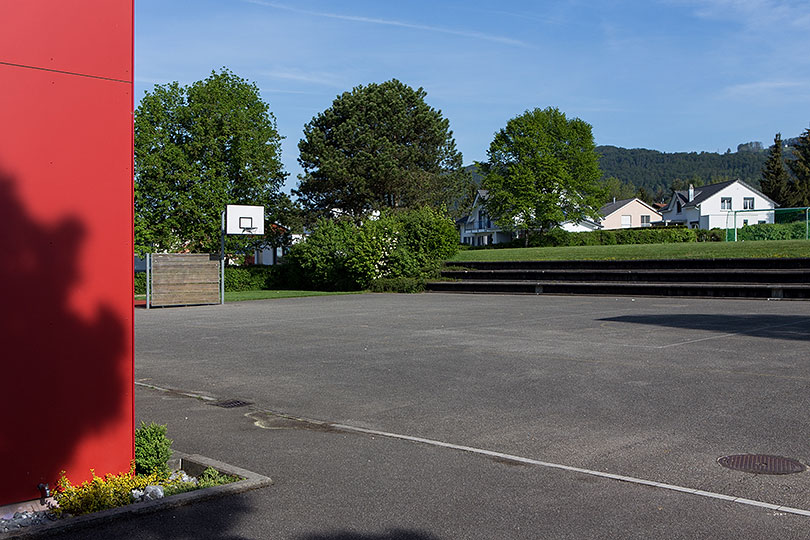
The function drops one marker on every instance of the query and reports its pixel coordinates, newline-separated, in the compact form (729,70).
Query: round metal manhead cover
(761,464)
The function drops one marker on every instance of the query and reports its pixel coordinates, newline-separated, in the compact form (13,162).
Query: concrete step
(616,288)
(727,275)
(644,264)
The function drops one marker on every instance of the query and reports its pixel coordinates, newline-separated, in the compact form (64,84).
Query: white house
(714,206)
(269,256)
(627,213)
(479,229)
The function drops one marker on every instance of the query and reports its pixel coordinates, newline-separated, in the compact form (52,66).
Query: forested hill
(655,171)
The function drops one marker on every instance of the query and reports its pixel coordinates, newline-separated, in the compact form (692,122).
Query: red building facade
(66,316)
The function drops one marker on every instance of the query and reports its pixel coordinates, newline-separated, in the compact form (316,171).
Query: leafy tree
(379,146)
(799,194)
(682,185)
(645,195)
(775,181)
(542,171)
(617,189)
(198,148)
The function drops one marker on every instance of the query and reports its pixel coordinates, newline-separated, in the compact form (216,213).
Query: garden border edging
(193,464)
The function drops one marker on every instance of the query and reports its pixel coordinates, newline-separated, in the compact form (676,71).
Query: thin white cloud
(322,79)
(763,14)
(389,22)
(767,89)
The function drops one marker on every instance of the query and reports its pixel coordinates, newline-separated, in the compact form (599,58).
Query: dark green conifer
(800,167)
(775,181)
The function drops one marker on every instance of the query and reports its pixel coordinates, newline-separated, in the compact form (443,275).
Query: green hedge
(398,285)
(773,231)
(251,278)
(140,282)
(646,235)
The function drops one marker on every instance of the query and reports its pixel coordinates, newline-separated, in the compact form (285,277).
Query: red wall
(66,363)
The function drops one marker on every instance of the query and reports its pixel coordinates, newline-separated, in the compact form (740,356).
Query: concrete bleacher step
(725,278)
(720,290)
(635,275)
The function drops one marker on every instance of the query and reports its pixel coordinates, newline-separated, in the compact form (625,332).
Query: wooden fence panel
(182,279)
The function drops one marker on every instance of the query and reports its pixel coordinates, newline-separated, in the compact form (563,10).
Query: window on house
(745,222)
(725,203)
(483,220)
(748,203)
(678,207)
(645,221)
(761,221)
(627,221)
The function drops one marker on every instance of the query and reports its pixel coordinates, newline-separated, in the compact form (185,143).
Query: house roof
(611,207)
(614,206)
(704,192)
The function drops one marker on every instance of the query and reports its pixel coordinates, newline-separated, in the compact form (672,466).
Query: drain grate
(230,403)
(761,464)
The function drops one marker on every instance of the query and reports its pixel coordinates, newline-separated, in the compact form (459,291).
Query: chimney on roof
(614,199)
(691,192)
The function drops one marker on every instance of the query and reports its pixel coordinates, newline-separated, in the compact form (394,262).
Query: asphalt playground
(442,416)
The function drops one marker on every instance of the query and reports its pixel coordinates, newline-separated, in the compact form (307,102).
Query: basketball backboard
(244,219)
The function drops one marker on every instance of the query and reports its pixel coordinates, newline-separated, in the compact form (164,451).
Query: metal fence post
(222,262)
(148,278)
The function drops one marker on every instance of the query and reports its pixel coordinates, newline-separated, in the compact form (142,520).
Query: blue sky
(670,75)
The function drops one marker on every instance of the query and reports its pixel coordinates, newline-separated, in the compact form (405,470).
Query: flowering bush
(340,255)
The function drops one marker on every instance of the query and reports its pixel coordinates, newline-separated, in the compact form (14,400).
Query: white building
(479,229)
(714,206)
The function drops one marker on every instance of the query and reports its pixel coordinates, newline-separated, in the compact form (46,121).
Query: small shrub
(140,283)
(152,449)
(397,285)
(211,477)
(99,493)
(114,490)
(711,235)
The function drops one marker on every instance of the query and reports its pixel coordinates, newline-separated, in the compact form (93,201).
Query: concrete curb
(193,464)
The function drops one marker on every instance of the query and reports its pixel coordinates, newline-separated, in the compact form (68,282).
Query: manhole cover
(230,403)
(761,464)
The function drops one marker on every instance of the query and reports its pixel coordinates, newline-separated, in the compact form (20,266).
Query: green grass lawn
(239,296)
(689,250)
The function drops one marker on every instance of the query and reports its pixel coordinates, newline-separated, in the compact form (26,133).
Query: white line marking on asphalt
(528,461)
(611,476)
(187,394)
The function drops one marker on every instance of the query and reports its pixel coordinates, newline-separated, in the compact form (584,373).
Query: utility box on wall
(66,312)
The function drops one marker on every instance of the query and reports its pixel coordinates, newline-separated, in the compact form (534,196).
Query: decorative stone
(152,493)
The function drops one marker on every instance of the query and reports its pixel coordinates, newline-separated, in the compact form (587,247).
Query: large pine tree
(800,166)
(775,181)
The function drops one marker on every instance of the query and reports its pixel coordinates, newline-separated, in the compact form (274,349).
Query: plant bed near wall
(192,464)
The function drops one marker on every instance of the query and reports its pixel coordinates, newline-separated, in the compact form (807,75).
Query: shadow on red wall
(63,374)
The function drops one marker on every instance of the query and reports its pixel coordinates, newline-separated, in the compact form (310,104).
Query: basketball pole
(222,261)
